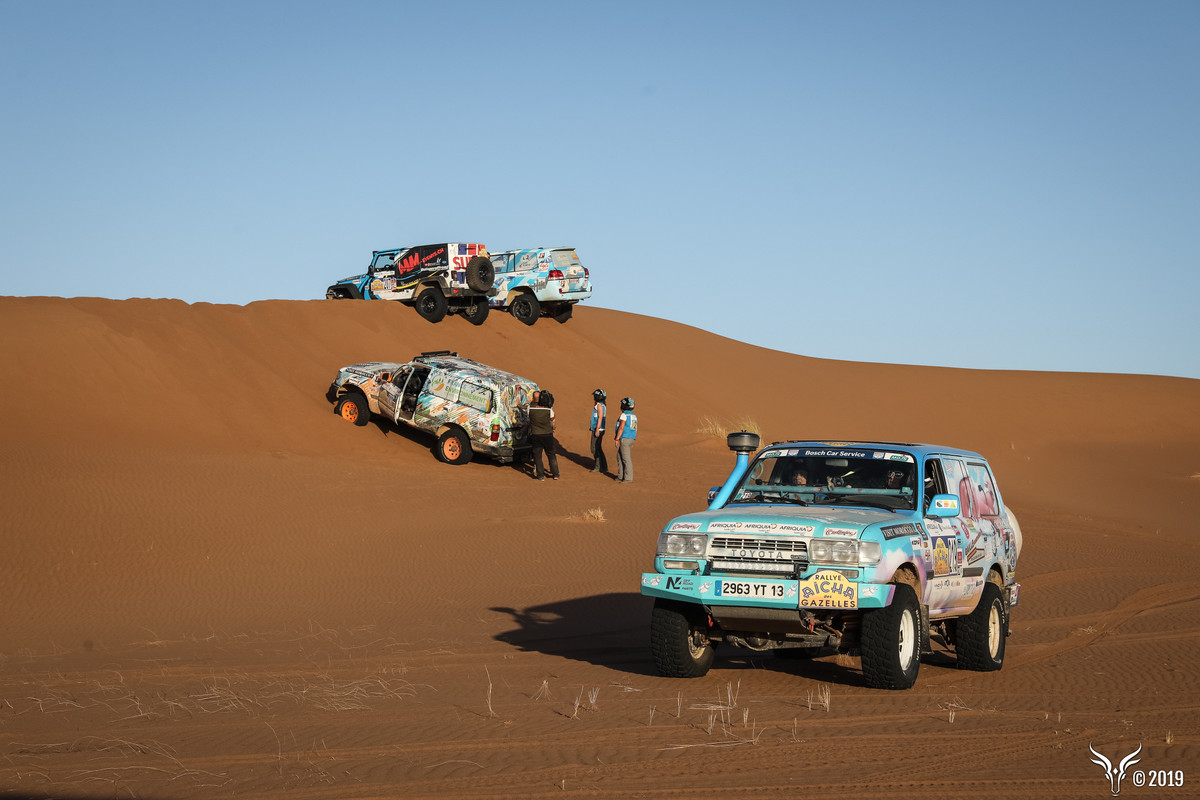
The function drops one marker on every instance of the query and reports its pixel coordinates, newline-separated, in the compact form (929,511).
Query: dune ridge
(212,585)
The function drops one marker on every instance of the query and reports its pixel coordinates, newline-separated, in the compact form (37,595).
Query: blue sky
(988,185)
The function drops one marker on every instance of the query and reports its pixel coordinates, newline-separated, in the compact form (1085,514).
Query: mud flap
(926,647)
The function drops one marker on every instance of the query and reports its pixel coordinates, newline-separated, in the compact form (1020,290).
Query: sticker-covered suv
(435,279)
(470,407)
(540,282)
(859,547)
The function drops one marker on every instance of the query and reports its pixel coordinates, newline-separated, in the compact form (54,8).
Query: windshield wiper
(858,501)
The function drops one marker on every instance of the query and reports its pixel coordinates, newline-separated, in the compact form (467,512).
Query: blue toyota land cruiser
(854,547)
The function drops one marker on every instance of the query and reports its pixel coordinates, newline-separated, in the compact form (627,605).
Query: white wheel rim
(908,639)
(994,631)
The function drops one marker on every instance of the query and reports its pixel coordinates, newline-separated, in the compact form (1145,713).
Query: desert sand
(213,587)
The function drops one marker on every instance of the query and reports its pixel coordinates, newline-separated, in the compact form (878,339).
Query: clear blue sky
(995,185)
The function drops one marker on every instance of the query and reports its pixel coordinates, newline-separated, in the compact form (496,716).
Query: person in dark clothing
(541,435)
(599,420)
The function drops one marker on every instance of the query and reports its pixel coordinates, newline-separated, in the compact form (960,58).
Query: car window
(502,262)
(985,490)
(475,396)
(565,259)
(526,260)
(959,484)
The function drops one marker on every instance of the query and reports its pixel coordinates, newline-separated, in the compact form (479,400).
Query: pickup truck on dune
(858,547)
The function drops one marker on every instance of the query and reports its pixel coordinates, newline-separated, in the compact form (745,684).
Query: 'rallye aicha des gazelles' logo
(1117,773)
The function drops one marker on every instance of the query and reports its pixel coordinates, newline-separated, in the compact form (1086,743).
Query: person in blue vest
(624,437)
(599,424)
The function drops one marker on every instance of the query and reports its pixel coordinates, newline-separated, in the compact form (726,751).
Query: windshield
(830,476)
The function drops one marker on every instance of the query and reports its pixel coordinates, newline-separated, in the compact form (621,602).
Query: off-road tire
(891,642)
(353,407)
(477,312)
(481,274)
(677,640)
(526,308)
(565,314)
(454,447)
(979,637)
(431,304)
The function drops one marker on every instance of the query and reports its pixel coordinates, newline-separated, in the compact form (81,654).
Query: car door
(389,392)
(947,538)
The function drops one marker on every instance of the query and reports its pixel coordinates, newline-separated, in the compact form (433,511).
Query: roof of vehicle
(453,362)
(920,450)
(528,250)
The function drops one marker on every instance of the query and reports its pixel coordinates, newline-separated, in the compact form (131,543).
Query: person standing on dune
(541,434)
(599,418)
(624,437)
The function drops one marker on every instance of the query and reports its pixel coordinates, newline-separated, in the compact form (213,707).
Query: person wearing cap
(599,418)
(624,437)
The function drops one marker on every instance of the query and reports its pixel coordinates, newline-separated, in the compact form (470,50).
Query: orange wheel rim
(350,412)
(452,449)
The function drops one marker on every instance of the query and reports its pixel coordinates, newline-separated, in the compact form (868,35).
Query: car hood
(785,520)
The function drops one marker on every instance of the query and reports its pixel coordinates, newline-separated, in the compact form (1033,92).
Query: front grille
(758,556)
(773,544)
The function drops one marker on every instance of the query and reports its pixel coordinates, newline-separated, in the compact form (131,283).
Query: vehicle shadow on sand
(613,631)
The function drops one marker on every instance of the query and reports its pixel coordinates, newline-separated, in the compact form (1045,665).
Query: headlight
(869,552)
(682,544)
(834,551)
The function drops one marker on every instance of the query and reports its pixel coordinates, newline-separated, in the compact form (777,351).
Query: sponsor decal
(947,503)
(683,584)
(704,587)
(945,552)
(651,580)
(836,453)
(724,526)
(828,589)
(809,529)
(684,526)
(841,532)
(896,531)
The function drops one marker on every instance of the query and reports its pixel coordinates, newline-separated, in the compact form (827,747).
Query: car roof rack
(432,353)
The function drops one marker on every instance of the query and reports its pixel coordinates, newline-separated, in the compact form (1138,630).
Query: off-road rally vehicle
(470,407)
(435,279)
(866,548)
(540,282)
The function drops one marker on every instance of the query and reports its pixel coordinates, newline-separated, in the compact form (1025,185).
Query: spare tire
(481,274)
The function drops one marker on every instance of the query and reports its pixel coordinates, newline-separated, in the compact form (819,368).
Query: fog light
(688,565)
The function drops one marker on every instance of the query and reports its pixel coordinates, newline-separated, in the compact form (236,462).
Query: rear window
(565,259)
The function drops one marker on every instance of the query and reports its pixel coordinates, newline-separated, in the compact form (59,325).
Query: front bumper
(819,591)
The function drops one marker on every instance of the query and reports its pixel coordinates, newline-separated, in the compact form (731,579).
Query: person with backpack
(624,437)
(599,420)
(541,434)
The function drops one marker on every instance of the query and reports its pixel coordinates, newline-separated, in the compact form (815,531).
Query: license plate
(748,589)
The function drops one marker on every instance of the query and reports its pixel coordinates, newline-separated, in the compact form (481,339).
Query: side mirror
(385,377)
(712,493)
(943,505)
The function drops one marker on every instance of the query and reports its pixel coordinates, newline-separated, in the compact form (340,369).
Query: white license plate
(748,589)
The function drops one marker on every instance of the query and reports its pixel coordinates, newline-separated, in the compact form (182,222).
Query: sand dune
(212,586)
